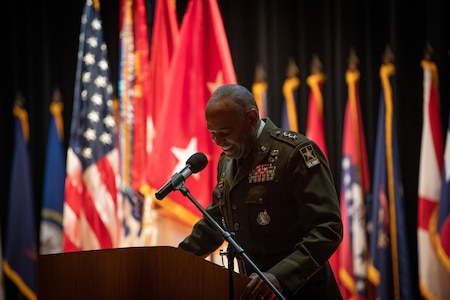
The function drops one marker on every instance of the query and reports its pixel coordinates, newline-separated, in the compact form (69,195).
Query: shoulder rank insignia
(309,156)
(286,136)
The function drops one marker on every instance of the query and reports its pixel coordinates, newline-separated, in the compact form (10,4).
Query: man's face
(231,128)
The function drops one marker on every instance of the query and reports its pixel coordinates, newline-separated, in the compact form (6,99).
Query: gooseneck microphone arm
(228,237)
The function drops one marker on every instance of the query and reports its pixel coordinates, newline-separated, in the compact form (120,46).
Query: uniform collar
(261,127)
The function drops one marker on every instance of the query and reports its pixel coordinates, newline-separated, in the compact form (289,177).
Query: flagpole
(228,237)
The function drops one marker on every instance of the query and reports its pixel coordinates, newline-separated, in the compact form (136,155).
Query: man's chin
(230,154)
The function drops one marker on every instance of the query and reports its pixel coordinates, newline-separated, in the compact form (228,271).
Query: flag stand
(232,243)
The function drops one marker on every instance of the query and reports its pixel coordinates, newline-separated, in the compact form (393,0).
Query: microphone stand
(227,236)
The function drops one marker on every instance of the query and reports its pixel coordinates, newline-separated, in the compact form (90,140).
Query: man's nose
(218,140)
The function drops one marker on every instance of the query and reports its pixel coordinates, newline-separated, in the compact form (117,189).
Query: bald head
(233,97)
(232,119)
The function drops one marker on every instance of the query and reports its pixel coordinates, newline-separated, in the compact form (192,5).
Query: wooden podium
(133,273)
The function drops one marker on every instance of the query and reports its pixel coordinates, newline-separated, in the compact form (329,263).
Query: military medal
(262,173)
(263,218)
(273,156)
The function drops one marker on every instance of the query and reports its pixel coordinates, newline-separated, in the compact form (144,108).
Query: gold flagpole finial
(353,60)
(96,4)
(316,64)
(428,52)
(56,96)
(260,73)
(292,68)
(21,113)
(19,100)
(56,108)
(388,55)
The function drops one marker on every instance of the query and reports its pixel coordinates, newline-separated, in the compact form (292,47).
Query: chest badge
(263,218)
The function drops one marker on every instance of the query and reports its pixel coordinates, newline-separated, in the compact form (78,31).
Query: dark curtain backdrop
(40,43)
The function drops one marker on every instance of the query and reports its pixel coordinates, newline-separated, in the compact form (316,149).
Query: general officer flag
(314,126)
(165,37)
(198,67)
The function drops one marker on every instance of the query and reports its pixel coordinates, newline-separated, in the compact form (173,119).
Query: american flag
(91,208)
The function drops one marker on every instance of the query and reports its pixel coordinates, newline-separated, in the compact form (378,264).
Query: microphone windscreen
(197,162)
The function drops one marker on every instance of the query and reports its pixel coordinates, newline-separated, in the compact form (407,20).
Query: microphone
(194,164)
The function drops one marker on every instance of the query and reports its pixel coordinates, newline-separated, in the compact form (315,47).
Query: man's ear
(253,115)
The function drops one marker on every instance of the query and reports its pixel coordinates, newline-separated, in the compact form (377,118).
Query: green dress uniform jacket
(283,210)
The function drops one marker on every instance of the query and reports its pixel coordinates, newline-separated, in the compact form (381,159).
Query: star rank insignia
(309,156)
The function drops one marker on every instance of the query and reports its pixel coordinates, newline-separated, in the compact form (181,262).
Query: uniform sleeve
(318,206)
(204,238)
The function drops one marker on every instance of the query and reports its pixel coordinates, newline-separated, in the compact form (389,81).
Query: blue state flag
(53,192)
(443,225)
(19,264)
(389,268)
(2,281)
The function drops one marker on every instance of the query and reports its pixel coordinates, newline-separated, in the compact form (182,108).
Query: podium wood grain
(133,273)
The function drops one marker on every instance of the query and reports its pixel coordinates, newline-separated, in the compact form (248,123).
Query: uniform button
(234,205)
(260,200)
(236,226)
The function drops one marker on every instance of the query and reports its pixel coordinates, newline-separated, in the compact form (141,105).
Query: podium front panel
(134,273)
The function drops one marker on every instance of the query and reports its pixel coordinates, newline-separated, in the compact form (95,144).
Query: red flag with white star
(314,128)
(201,62)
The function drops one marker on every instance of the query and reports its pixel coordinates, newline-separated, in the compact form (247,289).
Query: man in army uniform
(276,194)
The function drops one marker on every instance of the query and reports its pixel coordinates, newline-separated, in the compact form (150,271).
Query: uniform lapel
(255,157)
(229,171)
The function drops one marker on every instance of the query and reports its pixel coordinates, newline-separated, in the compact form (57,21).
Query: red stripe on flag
(95,222)
(436,127)
(69,246)
(426,208)
(105,170)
